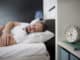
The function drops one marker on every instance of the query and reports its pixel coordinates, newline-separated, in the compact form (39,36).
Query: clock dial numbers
(72,34)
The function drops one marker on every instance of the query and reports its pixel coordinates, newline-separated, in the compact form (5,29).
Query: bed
(24,52)
(38,51)
(33,51)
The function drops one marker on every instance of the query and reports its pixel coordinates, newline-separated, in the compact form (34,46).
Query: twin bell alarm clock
(72,34)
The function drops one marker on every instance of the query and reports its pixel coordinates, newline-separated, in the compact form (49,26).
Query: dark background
(21,10)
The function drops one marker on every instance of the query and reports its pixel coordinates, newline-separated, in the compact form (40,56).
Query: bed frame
(50,44)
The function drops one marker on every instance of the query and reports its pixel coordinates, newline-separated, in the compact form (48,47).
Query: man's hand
(7,39)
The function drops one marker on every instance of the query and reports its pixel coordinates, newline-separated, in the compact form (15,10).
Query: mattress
(32,51)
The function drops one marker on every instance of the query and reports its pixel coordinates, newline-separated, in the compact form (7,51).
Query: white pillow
(34,21)
(39,37)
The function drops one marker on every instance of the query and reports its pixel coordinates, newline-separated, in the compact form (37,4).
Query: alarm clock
(72,34)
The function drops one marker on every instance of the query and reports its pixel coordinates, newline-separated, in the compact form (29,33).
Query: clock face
(72,34)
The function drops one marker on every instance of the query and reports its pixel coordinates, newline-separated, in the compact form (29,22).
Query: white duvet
(32,48)
(24,51)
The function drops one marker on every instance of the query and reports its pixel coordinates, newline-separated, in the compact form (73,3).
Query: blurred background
(21,10)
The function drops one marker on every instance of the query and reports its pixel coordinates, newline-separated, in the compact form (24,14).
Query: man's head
(37,27)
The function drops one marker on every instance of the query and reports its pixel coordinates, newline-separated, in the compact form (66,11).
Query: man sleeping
(15,32)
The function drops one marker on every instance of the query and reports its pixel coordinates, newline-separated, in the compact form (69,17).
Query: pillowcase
(35,21)
(39,37)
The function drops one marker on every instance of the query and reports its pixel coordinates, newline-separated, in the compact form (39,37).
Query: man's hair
(44,26)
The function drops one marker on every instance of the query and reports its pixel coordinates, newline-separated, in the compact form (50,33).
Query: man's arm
(7,37)
(9,26)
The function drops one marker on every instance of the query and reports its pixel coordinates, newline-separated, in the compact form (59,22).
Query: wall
(68,14)
(47,5)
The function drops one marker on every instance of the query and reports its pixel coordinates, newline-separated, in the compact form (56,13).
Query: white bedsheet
(41,57)
(24,52)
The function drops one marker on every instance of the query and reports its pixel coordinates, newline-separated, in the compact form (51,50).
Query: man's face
(37,27)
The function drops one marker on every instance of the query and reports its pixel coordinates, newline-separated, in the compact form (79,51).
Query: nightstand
(66,52)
